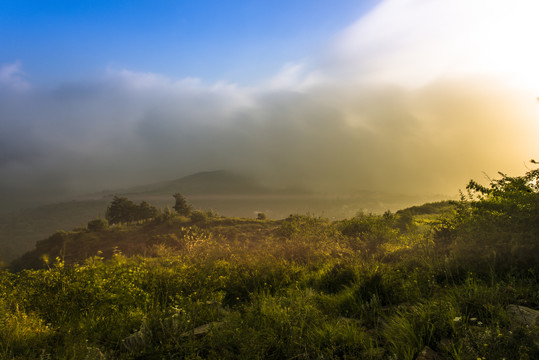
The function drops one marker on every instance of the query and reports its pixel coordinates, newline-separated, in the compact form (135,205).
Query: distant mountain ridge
(205,182)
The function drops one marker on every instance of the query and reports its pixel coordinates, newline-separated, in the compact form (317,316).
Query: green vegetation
(123,210)
(180,205)
(227,193)
(447,276)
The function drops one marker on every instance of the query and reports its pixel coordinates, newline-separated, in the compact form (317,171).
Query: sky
(407,96)
(237,41)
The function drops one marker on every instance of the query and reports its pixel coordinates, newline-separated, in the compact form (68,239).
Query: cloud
(404,100)
(414,42)
(12,76)
(292,77)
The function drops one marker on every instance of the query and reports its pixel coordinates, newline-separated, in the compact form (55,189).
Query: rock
(202,329)
(521,315)
(135,341)
(428,354)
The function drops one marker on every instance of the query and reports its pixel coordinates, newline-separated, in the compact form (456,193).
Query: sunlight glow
(413,42)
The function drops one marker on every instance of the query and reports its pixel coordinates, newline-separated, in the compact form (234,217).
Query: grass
(299,288)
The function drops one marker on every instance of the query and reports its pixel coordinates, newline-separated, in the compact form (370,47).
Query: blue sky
(331,96)
(237,41)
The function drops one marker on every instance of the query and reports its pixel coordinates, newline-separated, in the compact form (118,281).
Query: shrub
(367,232)
(98,224)
(336,279)
(496,227)
(199,216)
(168,240)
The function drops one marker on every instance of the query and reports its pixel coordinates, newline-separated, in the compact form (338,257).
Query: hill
(137,238)
(225,192)
(219,182)
(447,280)
(20,230)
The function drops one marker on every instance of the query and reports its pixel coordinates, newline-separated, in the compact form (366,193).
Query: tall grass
(302,288)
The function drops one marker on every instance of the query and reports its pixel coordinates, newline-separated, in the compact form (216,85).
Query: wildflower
(479,323)
(473,319)
(457,318)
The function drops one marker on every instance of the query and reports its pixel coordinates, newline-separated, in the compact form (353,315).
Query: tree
(181,206)
(146,211)
(121,210)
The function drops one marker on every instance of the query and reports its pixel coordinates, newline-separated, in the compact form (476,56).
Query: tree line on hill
(123,210)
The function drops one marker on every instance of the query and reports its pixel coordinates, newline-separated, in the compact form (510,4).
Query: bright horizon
(414,96)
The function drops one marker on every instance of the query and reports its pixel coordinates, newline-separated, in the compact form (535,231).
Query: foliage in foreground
(370,287)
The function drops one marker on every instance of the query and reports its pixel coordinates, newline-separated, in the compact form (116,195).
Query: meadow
(438,281)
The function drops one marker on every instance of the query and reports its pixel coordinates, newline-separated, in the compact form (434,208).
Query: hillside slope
(171,230)
(20,230)
(225,192)
(381,287)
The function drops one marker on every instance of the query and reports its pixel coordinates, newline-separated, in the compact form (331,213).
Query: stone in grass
(428,354)
(136,341)
(202,329)
(522,316)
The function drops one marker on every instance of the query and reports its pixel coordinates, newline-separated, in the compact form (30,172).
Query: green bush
(335,278)
(98,225)
(199,216)
(367,232)
(496,227)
